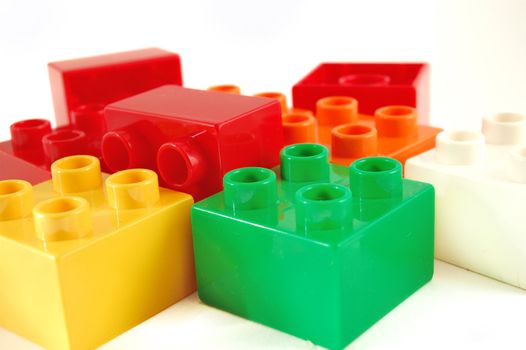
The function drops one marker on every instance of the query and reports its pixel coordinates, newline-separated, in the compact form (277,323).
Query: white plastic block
(480,191)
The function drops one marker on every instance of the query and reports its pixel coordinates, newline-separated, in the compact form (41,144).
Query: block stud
(322,207)
(396,121)
(62,218)
(305,162)
(299,128)
(336,110)
(226,88)
(250,188)
(62,143)
(180,163)
(123,149)
(281,98)
(76,174)
(89,118)
(505,129)
(376,178)
(26,135)
(16,199)
(459,147)
(132,189)
(353,141)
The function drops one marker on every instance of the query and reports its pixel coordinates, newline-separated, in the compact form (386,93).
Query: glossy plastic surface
(84,267)
(99,80)
(34,145)
(373,84)
(480,182)
(392,131)
(192,137)
(322,259)
(18,168)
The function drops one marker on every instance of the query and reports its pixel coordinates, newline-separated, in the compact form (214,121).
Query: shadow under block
(84,269)
(103,79)
(480,201)
(392,131)
(374,84)
(192,137)
(318,262)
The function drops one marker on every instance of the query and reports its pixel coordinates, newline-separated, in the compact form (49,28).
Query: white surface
(479,221)
(456,310)
(477,52)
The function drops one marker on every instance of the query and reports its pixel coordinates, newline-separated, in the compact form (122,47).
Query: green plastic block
(315,250)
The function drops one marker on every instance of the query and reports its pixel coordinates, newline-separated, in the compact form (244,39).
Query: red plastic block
(34,145)
(192,137)
(100,80)
(375,85)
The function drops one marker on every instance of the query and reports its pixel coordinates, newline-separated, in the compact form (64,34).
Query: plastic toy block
(80,264)
(231,89)
(99,80)
(192,137)
(480,182)
(315,250)
(34,145)
(375,85)
(392,131)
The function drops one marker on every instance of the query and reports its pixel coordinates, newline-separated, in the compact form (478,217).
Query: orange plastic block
(80,264)
(392,132)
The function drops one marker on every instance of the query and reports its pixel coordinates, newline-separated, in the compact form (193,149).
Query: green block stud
(316,250)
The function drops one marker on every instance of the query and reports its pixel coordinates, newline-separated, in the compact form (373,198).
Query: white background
(477,50)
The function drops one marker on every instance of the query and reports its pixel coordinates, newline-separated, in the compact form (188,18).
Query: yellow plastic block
(80,264)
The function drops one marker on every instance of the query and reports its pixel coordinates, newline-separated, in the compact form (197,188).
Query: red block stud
(373,84)
(63,143)
(26,138)
(100,80)
(192,137)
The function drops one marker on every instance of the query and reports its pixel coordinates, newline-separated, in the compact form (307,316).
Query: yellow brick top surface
(105,220)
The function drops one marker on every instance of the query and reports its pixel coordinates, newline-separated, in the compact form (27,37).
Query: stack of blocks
(320,238)
(81,89)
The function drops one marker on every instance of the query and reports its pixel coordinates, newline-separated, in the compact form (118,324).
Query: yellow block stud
(16,199)
(132,188)
(76,174)
(62,218)
(85,268)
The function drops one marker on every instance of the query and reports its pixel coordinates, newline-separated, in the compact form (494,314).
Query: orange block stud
(396,121)
(227,88)
(282,99)
(354,141)
(299,127)
(337,110)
